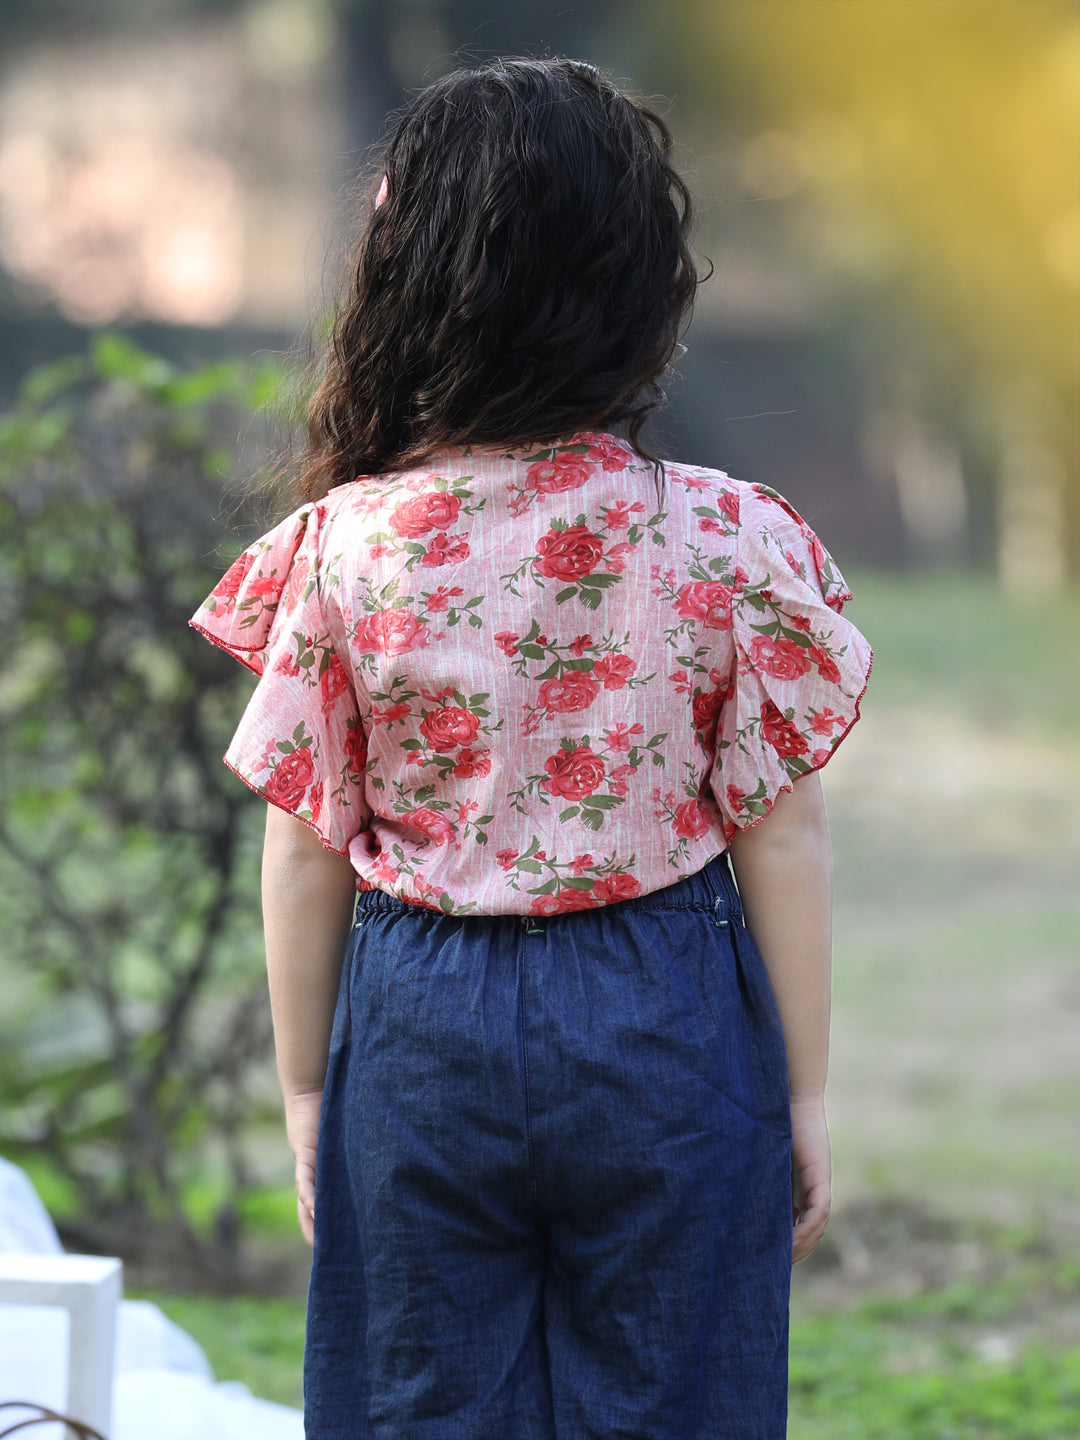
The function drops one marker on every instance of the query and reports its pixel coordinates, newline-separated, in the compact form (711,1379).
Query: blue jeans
(553,1186)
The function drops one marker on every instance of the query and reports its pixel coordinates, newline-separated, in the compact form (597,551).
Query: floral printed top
(508,683)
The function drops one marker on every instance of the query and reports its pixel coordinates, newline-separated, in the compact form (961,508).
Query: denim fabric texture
(553,1184)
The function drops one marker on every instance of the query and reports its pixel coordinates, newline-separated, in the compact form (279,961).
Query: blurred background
(889,194)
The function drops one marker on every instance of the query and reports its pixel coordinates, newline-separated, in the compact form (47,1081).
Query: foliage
(913,168)
(256,1339)
(134,1006)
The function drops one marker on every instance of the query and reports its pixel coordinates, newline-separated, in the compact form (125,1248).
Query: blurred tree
(937,144)
(135,1006)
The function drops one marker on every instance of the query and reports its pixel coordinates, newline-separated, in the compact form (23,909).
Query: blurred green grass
(1002,660)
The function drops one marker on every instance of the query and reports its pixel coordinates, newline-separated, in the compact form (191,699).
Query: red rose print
(827,666)
(817,549)
(824,720)
(617,778)
(470,763)
(333,681)
(781,733)
(610,455)
(440,600)
(298,578)
(434,511)
(820,756)
(621,738)
(580,644)
(736,798)
(614,670)
(568,554)
(286,665)
(290,777)
(265,587)
(397,711)
(449,727)
(383,870)
(782,659)
(565,472)
(432,823)
(445,550)
(560,904)
(356,749)
(505,641)
(315,799)
(615,558)
(691,820)
(573,774)
(228,587)
(506,857)
(707,601)
(391,632)
(616,887)
(573,690)
(617,516)
(728,504)
(706,706)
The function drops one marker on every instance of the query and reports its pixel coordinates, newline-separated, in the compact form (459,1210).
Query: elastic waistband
(712,888)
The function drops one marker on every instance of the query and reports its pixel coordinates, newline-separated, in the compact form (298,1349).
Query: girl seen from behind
(546,879)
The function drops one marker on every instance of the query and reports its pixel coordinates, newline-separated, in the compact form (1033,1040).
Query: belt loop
(720,900)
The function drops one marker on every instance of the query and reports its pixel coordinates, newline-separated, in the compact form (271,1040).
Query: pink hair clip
(384,190)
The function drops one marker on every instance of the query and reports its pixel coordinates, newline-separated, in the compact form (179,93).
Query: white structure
(54,1324)
(88,1287)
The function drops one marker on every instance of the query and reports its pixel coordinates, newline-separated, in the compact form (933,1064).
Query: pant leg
(425,1300)
(658,1105)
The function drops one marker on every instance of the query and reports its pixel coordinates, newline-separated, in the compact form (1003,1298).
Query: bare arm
(307,898)
(783,867)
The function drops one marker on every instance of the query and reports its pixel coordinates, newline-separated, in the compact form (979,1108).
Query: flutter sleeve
(300,743)
(800,668)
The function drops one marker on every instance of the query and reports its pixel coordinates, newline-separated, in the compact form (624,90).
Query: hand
(302,1127)
(811,1175)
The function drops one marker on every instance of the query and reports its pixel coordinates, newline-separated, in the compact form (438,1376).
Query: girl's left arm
(307,900)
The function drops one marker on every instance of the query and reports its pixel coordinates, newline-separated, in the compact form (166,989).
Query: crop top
(507,682)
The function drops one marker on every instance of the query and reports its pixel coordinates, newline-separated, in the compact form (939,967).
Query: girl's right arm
(783,868)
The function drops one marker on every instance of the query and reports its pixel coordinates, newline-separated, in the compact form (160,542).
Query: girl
(558,1118)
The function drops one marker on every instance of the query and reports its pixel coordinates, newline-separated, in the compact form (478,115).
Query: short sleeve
(800,669)
(300,743)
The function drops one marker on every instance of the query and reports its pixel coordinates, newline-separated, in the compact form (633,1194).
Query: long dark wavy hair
(527,276)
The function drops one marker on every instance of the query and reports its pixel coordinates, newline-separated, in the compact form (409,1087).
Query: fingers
(307,1221)
(813,1216)
(305,1199)
(305,1185)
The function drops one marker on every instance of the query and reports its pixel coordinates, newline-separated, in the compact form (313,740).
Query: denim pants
(553,1181)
